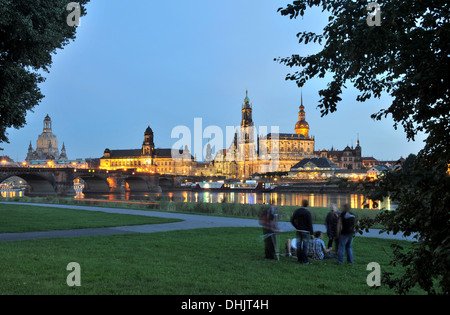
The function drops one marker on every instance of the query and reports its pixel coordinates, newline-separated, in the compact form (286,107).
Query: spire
(246,112)
(246,99)
(302,127)
(301,89)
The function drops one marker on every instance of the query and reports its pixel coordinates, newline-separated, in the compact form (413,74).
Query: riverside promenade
(189,221)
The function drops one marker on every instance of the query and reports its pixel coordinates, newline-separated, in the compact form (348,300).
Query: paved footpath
(190,221)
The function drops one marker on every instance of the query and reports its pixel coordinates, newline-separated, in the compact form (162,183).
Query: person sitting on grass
(318,249)
(291,247)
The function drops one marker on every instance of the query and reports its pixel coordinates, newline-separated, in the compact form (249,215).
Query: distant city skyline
(165,64)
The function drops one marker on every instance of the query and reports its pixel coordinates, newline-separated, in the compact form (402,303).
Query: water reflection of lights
(206,197)
(251,198)
(355,201)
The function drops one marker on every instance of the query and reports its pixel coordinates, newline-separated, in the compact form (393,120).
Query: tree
(30,32)
(408,57)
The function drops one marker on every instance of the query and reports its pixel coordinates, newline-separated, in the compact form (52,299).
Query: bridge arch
(136,184)
(165,182)
(36,184)
(93,184)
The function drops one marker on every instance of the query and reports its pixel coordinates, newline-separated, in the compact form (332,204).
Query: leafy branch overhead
(404,56)
(408,57)
(31,31)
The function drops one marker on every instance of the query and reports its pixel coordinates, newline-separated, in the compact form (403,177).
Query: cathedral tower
(246,153)
(247,120)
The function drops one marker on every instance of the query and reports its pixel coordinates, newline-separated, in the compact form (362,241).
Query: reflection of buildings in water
(221,197)
(355,201)
(251,198)
(79,195)
(206,197)
(12,192)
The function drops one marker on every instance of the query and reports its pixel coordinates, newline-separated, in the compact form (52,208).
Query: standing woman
(331,223)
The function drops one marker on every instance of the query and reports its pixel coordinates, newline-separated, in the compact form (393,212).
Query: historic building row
(247,155)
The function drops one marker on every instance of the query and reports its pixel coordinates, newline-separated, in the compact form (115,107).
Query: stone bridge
(60,181)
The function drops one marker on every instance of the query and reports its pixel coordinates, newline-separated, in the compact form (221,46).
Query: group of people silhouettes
(340,229)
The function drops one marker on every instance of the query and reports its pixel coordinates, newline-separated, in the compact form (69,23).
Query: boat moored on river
(249,185)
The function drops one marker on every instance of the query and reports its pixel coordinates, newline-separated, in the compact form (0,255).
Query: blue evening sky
(164,63)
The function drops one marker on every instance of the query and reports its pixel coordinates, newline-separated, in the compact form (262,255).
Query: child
(318,249)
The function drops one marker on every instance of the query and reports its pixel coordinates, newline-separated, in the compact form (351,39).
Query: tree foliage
(30,33)
(408,57)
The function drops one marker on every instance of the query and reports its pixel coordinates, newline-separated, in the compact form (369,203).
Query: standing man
(331,224)
(302,221)
(345,231)
(268,220)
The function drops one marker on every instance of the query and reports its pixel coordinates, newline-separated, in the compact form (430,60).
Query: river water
(355,201)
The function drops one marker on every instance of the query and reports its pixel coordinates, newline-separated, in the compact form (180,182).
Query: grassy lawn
(219,261)
(192,262)
(18,218)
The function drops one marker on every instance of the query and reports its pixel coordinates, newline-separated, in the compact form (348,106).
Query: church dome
(301,125)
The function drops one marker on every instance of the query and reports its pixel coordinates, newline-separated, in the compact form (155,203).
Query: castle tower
(148,146)
(302,127)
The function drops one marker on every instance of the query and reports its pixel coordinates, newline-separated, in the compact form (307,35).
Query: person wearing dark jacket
(345,232)
(268,220)
(302,221)
(331,224)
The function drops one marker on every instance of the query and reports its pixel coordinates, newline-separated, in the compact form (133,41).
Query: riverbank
(225,209)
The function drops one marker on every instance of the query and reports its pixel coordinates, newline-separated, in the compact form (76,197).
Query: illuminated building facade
(275,152)
(349,158)
(290,147)
(148,159)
